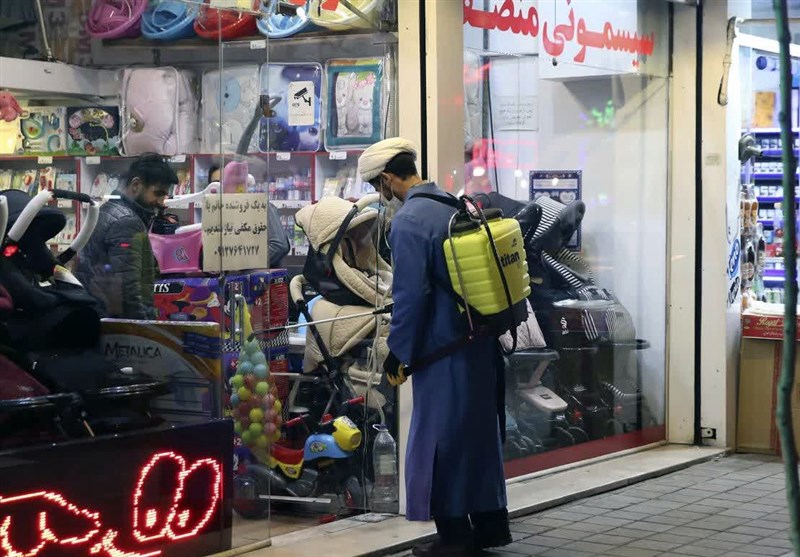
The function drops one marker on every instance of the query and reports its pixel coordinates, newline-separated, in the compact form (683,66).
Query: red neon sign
(60,522)
(507,18)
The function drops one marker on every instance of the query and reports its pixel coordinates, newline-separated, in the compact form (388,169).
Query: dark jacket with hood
(118,265)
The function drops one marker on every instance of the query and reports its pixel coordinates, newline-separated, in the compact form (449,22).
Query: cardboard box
(765,326)
(759,373)
(93,130)
(187,356)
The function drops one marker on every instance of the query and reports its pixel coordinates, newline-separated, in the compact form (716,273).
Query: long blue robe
(454,462)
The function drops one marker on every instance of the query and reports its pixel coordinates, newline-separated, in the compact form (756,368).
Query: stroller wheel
(246,500)
(578,434)
(353,495)
(563,437)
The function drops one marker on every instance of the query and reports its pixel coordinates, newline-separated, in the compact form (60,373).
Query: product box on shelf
(764,326)
(265,292)
(43,131)
(185,355)
(294,93)
(93,130)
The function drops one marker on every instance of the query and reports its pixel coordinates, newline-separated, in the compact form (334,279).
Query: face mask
(392,207)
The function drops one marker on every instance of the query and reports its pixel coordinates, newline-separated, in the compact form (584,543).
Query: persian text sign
(583,37)
(235,232)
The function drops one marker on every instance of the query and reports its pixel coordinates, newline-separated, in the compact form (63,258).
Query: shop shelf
(768,176)
(766,223)
(776,152)
(302,47)
(773,199)
(290,203)
(771,130)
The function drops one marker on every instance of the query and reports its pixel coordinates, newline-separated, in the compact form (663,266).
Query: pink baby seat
(181,252)
(115,19)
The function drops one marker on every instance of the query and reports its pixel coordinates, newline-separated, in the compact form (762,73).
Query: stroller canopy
(355,261)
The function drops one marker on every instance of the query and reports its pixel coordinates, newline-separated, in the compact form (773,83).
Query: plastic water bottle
(384,460)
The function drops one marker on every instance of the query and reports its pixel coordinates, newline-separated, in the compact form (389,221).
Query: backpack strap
(459,343)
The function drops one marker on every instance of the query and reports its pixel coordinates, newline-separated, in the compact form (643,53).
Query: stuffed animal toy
(10,109)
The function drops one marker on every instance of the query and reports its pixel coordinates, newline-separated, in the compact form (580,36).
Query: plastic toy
(115,19)
(10,109)
(255,407)
(342,18)
(93,130)
(169,20)
(43,130)
(225,24)
(321,468)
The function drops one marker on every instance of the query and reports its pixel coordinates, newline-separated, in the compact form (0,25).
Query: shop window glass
(229,143)
(566,107)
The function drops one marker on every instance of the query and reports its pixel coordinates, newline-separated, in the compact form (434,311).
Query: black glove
(395,370)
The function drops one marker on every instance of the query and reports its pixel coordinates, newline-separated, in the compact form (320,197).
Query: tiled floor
(729,507)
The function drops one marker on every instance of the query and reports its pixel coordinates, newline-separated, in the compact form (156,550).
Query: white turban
(373,161)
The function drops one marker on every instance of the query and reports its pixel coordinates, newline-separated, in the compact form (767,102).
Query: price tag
(45,160)
(178,158)
(258,44)
(337,155)
(92,160)
(283,156)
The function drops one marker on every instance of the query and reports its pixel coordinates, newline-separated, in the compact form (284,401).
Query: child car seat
(115,19)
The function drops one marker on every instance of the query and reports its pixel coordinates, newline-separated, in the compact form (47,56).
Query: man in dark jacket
(117,265)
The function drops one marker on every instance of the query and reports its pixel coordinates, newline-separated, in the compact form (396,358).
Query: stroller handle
(367,200)
(42,199)
(296,288)
(180,200)
(3,217)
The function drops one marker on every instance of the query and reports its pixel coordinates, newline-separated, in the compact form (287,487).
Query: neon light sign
(59,522)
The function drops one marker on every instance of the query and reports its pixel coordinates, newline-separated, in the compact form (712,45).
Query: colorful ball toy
(255,409)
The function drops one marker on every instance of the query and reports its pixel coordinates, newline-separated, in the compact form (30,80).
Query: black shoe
(487,542)
(439,549)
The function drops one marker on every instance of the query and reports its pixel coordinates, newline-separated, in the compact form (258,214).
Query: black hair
(212,170)
(152,169)
(402,165)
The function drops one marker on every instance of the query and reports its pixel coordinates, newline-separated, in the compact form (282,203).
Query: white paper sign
(515,112)
(301,103)
(235,232)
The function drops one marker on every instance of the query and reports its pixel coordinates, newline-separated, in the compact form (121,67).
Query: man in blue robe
(454,462)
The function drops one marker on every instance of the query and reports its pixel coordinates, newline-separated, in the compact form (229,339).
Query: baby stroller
(346,337)
(29,413)
(590,329)
(55,324)
(344,267)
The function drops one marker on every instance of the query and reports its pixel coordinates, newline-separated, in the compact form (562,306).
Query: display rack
(769,192)
(294,180)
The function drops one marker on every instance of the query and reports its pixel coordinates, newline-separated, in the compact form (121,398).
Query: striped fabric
(614,323)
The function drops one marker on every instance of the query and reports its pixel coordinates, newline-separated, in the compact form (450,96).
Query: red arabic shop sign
(556,36)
